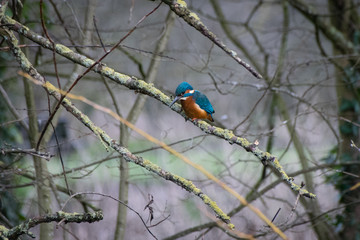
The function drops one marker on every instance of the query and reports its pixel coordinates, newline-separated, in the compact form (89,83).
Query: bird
(183,88)
(194,103)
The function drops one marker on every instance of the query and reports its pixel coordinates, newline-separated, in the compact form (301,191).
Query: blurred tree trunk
(123,187)
(41,171)
(346,19)
(321,228)
(133,115)
(338,26)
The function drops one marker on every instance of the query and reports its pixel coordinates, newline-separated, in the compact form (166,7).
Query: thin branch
(72,170)
(141,86)
(254,195)
(13,109)
(98,34)
(60,217)
(33,152)
(59,86)
(108,196)
(330,31)
(89,68)
(106,140)
(128,156)
(62,22)
(180,8)
(230,34)
(52,43)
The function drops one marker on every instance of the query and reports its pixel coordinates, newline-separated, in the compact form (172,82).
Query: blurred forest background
(304,110)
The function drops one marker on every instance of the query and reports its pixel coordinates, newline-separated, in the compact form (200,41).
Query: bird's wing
(203,102)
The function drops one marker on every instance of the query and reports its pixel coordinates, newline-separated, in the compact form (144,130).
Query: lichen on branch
(60,216)
(180,8)
(141,86)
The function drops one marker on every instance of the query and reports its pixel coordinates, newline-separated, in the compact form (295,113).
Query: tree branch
(60,217)
(33,152)
(106,139)
(330,31)
(141,86)
(108,196)
(180,8)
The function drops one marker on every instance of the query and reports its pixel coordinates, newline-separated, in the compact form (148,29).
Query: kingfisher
(194,103)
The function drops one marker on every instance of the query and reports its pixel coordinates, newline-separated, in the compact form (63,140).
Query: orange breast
(192,110)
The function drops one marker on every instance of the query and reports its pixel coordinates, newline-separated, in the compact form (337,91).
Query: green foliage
(9,207)
(356,36)
(351,75)
(30,13)
(8,12)
(349,105)
(341,179)
(337,178)
(9,134)
(331,158)
(4,57)
(338,222)
(349,129)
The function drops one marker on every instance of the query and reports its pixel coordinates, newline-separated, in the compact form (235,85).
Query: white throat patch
(184,98)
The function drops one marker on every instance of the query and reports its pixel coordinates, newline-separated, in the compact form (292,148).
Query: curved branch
(330,31)
(230,34)
(108,196)
(106,139)
(60,217)
(33,152)
(252,197)
(148,89)
(180,8)
(13,109)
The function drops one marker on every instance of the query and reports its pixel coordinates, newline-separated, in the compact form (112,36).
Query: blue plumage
(182,88)
(201,100)
(195,104)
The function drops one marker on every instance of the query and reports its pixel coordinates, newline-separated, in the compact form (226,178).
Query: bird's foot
(196,120)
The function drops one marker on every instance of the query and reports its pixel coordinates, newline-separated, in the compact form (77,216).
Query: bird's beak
(175,100)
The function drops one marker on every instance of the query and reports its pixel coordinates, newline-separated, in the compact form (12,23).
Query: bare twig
(162,220)
(33,152)
(98,34)
(329,30)
(108,196)
(148,206)
(60,216)
(52,43)
(89,69)
(149,89)
(277,212)
(180,8)
(13,109)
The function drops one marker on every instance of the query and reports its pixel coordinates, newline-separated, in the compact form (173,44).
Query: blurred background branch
(304,110)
